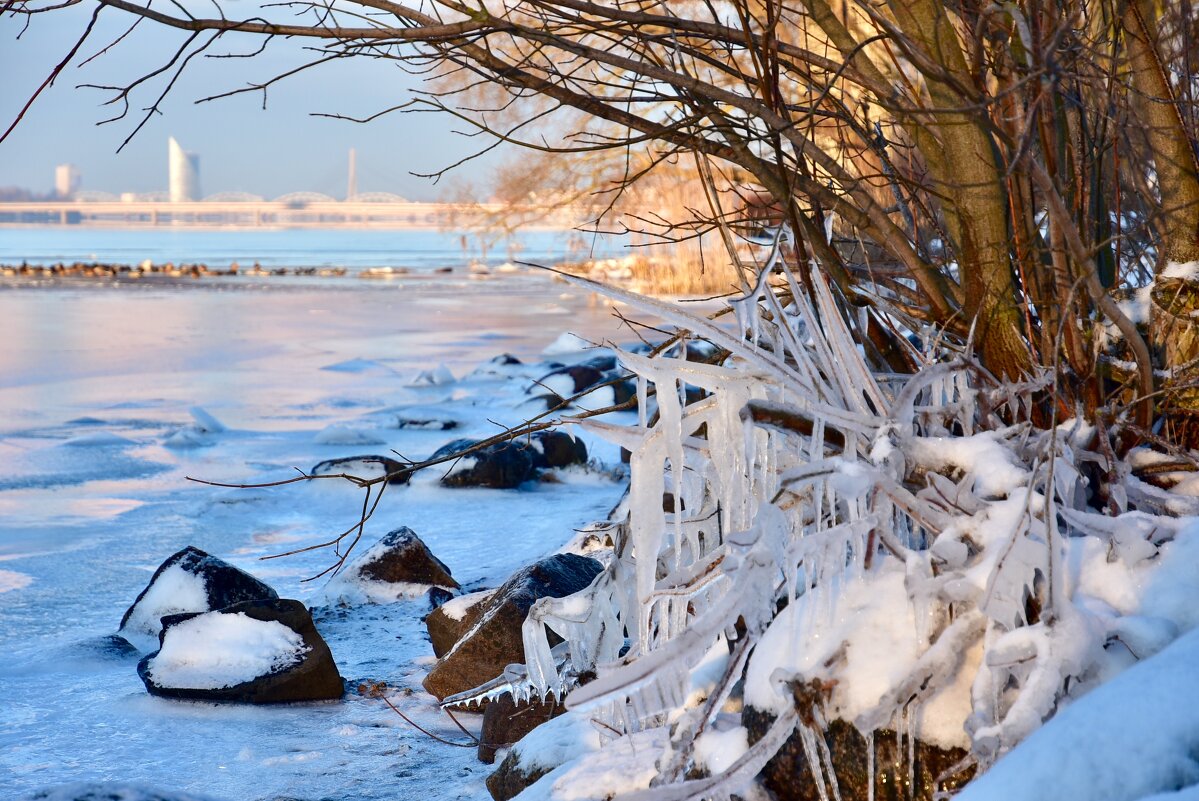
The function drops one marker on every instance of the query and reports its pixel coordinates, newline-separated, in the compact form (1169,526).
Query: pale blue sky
(241,147)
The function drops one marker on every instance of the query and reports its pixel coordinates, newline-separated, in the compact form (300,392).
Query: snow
(1176,269)
(567,344)
(175,590)
(717,750)
(558,741)
(1128,739)
(456,608)
(216,650)
(995,472)
(339,434)
(624,766)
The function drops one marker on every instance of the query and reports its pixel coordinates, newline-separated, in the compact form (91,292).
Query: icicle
(870,768)
(911,734)
(812,755)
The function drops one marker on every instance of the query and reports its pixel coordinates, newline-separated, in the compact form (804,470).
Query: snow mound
(1133,737)
(337,434)
(205,422)
(435,377)
(567,343)
(217,650)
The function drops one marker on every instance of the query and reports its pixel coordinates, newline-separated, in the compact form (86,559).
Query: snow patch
(217,650)
(338,434)
(174,591)
(1129,738)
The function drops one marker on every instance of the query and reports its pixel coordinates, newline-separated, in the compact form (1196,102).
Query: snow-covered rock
(256,652)
(398,566)
(447,623)
(504,465)
(370,466)
(554,743)
(189,581)
(495,641)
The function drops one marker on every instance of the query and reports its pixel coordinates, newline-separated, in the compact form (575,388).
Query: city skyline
(245,149)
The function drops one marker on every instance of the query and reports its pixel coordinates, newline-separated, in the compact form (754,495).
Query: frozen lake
(94,379)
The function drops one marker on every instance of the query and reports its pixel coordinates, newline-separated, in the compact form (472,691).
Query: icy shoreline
(92,497)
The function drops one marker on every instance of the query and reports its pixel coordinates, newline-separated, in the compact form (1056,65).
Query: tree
(995,181)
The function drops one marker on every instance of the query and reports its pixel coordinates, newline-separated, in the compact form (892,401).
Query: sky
(241,147)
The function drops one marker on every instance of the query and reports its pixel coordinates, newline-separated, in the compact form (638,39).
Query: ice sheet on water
(12,580)
(100,439)
(87,568)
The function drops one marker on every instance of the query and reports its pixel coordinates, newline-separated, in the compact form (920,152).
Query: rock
(788,777)
(568,381)
(511,778)
(108,791)
(560,740)
(258,652)
(449,621)
(504,465)
(495,642)
(438,597)
(189,581)
(556,449)
(505,721)
(399,565)
(370,466)
(108,647)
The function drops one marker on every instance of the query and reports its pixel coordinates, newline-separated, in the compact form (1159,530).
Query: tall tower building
(67,179)
(184,170)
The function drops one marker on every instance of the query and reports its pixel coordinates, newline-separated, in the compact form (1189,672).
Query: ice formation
(942,572)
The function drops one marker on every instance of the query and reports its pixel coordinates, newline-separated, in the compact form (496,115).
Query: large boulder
(505,721)
(495,642)
(189,581)
(399,565)
(504,465)
(258,652)
(449,622)
(788,776)
(369,466)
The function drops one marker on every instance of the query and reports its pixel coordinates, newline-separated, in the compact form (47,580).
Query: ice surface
(83,528)
(217,650)
(12,580)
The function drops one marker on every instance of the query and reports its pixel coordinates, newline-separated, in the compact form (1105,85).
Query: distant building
(67,179)
(184,170)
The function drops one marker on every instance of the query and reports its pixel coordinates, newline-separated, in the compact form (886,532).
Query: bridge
(297,210)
